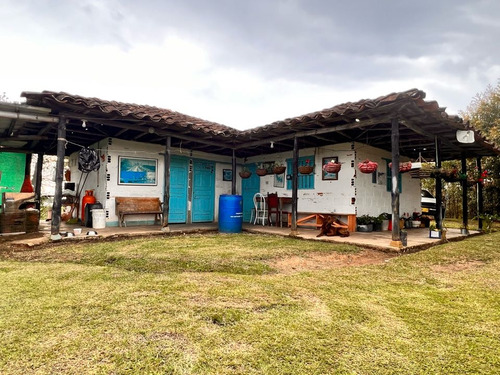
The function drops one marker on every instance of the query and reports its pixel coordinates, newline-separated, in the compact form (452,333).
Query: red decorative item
(403,167)
(245,174)
(332,167)
(305,169)
(261,172)
(367,166)
(87,199)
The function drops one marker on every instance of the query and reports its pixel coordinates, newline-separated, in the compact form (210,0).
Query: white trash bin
(98,218)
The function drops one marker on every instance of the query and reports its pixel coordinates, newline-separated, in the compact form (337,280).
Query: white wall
(327,196)
(373,198)
(98,181)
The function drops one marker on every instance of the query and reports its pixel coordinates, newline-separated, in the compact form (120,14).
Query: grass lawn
(217,304)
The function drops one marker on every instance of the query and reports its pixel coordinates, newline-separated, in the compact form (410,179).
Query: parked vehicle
(428,203)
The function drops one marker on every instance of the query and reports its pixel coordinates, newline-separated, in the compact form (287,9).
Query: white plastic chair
(260,207)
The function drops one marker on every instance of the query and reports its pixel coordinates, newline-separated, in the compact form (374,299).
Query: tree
(483,113)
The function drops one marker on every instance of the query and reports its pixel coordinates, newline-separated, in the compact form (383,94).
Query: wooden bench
(138,206)
(315,219)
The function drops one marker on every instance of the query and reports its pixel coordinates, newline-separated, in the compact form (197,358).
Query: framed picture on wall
(279,180)
(137,171)
(227,175)
(326,175)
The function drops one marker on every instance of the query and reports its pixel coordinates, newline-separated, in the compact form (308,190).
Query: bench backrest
(137,204)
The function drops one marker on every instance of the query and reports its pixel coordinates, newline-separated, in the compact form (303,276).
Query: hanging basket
(245,174)
(306,169)
(367,166)
(332,167)
(403,167)
(279,170)
(261,172)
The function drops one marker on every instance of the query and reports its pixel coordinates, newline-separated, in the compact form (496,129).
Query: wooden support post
(396,236)
(480,198)
(295,184)
(166,184)
(56,206)
(439,187)
(38,181)
(465,211)
(233,167)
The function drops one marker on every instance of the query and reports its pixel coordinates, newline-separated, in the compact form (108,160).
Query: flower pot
(332,167)
(245,174)
(403,167)
(261,171)
(385,224)
(305,169)
(279,170)
(367,166)
(365,228)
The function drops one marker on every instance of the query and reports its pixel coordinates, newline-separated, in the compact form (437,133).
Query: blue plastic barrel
(230,213)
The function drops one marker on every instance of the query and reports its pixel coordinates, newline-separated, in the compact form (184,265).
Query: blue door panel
(203,191)
(179,168)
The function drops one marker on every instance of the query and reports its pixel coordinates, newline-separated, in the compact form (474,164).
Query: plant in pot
(364,223)
(245,173)
(367,166)
(385,217)
(261,171)
(377,223)
(332,167)
(279,168)
(307,168)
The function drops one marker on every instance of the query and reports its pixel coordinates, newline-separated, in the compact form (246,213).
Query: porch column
(465,211)
(480,201)
(439,187)
(38,180)
(56,206)
(233,181)
(396,238)
(166,184)
(295,184)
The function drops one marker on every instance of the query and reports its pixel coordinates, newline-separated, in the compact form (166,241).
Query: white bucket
(98,218)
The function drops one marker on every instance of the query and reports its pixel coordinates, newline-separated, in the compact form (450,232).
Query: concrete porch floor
(417,238)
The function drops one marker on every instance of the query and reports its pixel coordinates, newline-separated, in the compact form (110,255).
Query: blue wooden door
(179,167)
(203,191)
(249,186)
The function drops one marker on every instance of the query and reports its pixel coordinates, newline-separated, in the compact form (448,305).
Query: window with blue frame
(389,178)
(305,181)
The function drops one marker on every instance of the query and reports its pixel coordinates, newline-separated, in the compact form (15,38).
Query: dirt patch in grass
(319,261)
(458,266)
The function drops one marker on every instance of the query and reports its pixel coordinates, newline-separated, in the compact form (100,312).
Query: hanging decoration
(88,160)
(367,166)
(332,167)
(403,167)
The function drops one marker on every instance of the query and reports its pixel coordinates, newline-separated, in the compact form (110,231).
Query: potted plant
(435,232)
(332,167)
(261,171)
(364,223)
(245,173)
(307,168)
(278,168)
(367,166)
(377,223)
(385,217)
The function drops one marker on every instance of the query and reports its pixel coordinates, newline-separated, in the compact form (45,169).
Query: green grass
(214,304)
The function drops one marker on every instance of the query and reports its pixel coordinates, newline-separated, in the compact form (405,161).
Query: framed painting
(227,175)
(137,171)
(279,180)
(329,176)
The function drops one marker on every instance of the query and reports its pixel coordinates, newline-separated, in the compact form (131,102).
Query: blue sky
(249,63)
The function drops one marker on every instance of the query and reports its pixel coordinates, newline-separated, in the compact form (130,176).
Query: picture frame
(137,171)
(279,180)
(227,175)
(329,176)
